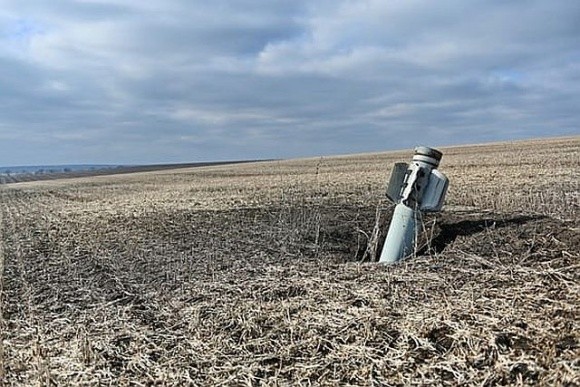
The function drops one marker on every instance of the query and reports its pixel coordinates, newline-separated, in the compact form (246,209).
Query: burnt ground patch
(167,250)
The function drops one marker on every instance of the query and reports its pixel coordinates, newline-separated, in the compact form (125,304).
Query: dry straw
(252,275)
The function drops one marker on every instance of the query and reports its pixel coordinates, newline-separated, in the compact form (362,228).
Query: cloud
(119,81)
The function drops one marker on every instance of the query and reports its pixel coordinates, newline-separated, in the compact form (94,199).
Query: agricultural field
(263,274)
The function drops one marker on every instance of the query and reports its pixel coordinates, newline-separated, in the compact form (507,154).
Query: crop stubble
(253,274)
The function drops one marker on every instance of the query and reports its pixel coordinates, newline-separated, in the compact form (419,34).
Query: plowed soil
(264,274)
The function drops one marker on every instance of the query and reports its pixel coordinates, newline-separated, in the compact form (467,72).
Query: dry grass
(251,275)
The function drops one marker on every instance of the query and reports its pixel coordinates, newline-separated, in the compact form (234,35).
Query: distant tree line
(39,171)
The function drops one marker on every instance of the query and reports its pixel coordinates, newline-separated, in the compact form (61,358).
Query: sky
(165,81)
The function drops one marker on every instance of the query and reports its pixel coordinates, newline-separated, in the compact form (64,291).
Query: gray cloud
(119,81)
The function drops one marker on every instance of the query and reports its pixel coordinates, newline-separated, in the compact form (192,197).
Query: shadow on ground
(449,231)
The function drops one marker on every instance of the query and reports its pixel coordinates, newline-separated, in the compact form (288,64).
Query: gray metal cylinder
(402,235)
(427,155)
(400,241)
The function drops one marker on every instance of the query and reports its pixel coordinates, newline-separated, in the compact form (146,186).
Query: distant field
(259,274)
(27,174)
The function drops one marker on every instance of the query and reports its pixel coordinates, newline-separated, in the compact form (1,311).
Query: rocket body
(400,241)
(422,188)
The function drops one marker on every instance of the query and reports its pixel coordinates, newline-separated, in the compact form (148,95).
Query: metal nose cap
(429,152)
